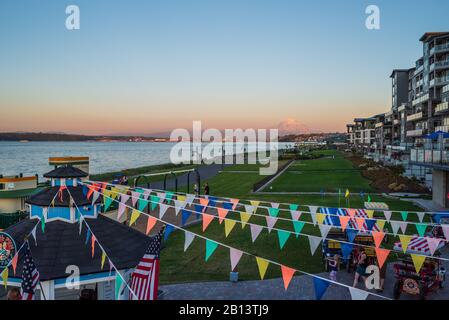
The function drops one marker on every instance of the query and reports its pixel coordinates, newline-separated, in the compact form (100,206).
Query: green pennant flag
(142,204)
(369,198)
(210,248)
(118,285)
(273,212)
(421,228)
(294,207)
(404,215)
(283,237)
(168,196)
(43,224)
(154,202)
(298,225)
(107,203)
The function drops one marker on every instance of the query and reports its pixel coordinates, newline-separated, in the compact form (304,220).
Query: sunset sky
(145,66)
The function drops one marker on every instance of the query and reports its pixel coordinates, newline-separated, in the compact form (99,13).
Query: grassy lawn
(330,173)
(190,266)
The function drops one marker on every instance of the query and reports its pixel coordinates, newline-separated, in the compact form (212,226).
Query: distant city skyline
(144,67)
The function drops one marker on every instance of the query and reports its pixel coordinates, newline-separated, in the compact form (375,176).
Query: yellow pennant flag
(320,218)
(347,193)
(103,258)
(134,215)
(262,264)
(255,204)
(381,224)
(5,274)
(370,213)
(244,216)
(181,198)
(405,240)
(229,225)
(418,261)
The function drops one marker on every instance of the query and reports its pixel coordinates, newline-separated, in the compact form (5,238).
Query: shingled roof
(62,245)
(45,197)
(66,172)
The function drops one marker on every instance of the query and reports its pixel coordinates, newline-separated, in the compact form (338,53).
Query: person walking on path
(362,264)
(196,190)
(334,263)
(206,189)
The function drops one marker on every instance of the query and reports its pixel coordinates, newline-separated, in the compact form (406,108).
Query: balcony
(415,133)
(415,116)
(379,124)
(442,128)
(441,81)
(421,99)
(427,156)
(442,107)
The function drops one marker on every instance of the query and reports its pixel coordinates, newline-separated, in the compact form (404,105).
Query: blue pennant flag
(370,223)
(346,250)
(168,229)
(212,201)
(227,205)
(85,190)
(87,236)
(198,209)
(351,233)
(185,216)
(320,286)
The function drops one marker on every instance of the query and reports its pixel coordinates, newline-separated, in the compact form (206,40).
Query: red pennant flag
(344,220)
(352,212)
(382,255)
(207,219)
(360,222)
(151,222)
(14,263)
(234,202)
(93,245)
(287,274)
(378,236)
(204,202)
(222,212)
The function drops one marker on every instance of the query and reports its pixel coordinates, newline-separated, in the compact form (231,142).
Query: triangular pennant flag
(420,216)
(210,248)
(87,236)
(313,216)
(381,224)
(283,237)
(271,221)
(313,209)
(421,228)
(314,242)
(185,216)
(43,224)
(351,234)
(14,263)
(234,202)
(134,216)
(403,226)
(360,222)
(274,205)
(405,240)
(295,214)
(135,195)
(188,240)
(404,215)
(168,196)
(222,212)
(235,256)
(121,210)
(357,294)
(93,245)
(161,196)
(181,197)
(229,225)
(262,264)
(168,229)
(352,212)
(255,203)
(273,212)
(418,261)
(103,259)
(178,206)
(33,232)
(370,223)
(324,229)
(320,286)
(395,226)
(207,219)
(370,213)
(249,208)
(287,275)
(298,225)
(378,237)
(382,255)
(227,205)
(387,215)
(244,217)
(5,275)
(433,244)
(95,197)
(154,202)
(151,222)
(204,202)
(293,207)
(320,217)
(255,231)
(344,220)
(190,198)
(118,285)
(142,204)
(107,202)
(346,249)
(162,210)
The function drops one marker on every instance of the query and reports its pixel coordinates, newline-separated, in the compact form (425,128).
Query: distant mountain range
(47,136)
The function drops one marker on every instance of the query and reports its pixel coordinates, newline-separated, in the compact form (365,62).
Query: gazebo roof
(61,245)
(45,197)
(66,172)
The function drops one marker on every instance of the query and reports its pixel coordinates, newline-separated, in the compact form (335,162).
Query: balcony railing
(414,133)
(429,156)
(421,99)
(442,128)
(415,116)
(442,107)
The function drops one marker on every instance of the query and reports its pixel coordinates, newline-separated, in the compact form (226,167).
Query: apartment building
(362,134)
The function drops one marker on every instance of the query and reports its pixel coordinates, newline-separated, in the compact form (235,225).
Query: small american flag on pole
(145,278)
(30,275)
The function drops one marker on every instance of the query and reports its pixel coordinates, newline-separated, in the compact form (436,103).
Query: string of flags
(320,283)
(314,241)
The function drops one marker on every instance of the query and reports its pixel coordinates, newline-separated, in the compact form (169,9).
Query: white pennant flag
(433,244)
(295,214)
(81,225)
(162,209)
(95,197)
(420,216)
(313,209)
(313,216)
(314,242)
(271,221)
(135,196)
(121,210)
(357,294)
(190,198)
(249,208)
(188,240)
(387,215)
(161,196)
(275,205)
(445,228)
(146,194)
(235,256)
(124,198)
(33,233)
(255,231)
(395,226)
(324,229)
(178,206)
(403,226)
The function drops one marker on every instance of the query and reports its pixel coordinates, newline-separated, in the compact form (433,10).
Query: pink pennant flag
(352,212)
(433,244)
(403,226)
(150,224)
(222,212)
(275,205)
(121,210)
(295,214)
(235,257)
(387,215)
(255,231)
(271,221)
(135,196)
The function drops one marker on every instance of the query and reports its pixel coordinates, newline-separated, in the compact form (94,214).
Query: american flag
(30,275)
(145,278)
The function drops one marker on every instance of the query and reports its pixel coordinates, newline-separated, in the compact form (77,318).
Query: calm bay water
(32,157)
